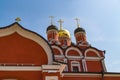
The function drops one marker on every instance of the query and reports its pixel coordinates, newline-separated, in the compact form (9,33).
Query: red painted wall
(94,66)
(17,49)
(21,75)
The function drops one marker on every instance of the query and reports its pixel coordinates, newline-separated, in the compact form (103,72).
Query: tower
(80,35)
(64,36)
(52,32)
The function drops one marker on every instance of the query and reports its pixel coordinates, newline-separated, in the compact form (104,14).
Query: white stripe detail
(20,68)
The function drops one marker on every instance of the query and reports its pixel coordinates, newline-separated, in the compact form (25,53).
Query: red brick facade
(25,55)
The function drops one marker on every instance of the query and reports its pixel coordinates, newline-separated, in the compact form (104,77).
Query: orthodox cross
(51,19)
(78,25)
(60,21)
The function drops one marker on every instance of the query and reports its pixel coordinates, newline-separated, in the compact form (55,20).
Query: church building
(26,55)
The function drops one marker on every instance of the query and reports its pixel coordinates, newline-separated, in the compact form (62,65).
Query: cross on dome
(78,25)
(51,19)
(60,21)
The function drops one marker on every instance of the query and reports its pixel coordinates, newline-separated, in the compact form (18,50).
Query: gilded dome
(52,27)
(79,29)
(64,33)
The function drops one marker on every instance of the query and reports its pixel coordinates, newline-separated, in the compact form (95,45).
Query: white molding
(112,75)
(52,30)
(20,68)
(50,71)
(75,57)
(66,68)
(86,69)
(73,48)
(84,65)
(94,58)
(93,51)
(30,35)
(50,66)
(59,49)
(81,75)
(75,63)
(103,65)
(90,75)
(59,56)
(51,78)
(79,33)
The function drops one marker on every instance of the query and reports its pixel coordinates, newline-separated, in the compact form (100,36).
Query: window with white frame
(75,69)
(75,66)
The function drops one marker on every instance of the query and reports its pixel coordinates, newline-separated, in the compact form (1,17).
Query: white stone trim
(59,56)
(103,65)
(75,63)
(59,49)
(53,68)
(112,75)
(75,57)
(66,68)
(16,64)
(93,51)
(51,78)
(30,35)
(73,48)
(50,66)
(94,58)
(84,65)
(80,33)
(81,75)
(52,30)
(50,71)
(20,68)
(91,75)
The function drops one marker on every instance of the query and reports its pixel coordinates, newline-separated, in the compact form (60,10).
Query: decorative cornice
(73,48)
(92,74)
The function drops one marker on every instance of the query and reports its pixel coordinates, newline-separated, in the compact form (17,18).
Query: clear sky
(100,19)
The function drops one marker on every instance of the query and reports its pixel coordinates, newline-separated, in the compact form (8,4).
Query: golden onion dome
(64,33)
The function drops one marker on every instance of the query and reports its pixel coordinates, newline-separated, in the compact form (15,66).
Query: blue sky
(100,19)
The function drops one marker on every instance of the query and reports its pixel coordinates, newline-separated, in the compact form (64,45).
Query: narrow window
(75,66)
(75,69)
